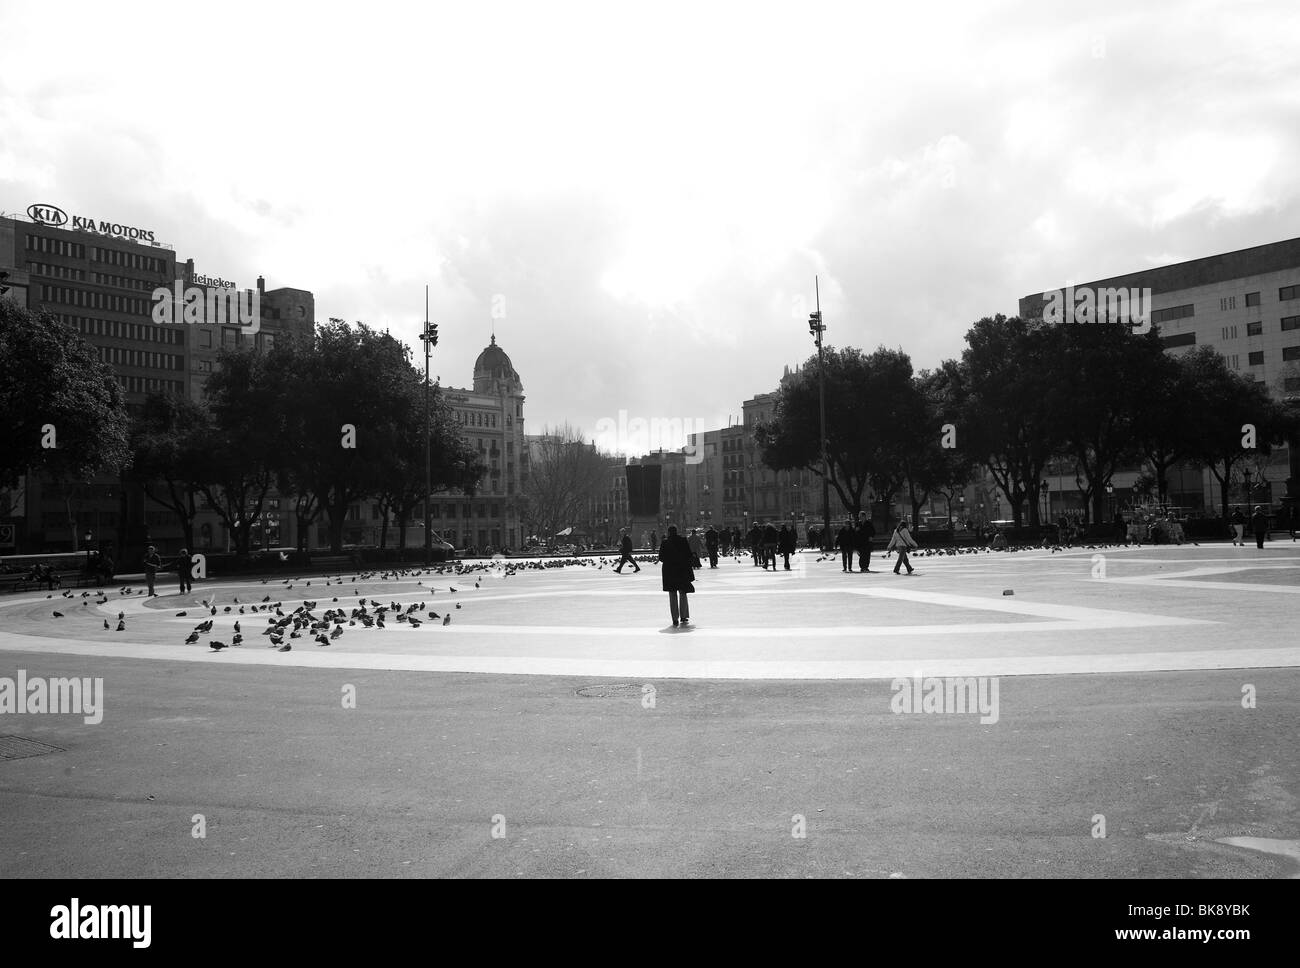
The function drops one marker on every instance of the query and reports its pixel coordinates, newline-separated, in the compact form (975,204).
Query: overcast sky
(647,191)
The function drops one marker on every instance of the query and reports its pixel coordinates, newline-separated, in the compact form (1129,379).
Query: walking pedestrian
(770,539)
(678,575)
(654,539)
(1238,521)
(785,543)
(901,541)
(866,531)
(711,540)
(1259,525)
(625,554)
(755,541)
(151,565)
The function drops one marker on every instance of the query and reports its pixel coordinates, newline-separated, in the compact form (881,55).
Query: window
(1290,353)
(1230,332)
(229,337)
(1290,322)
(268,341)
(205,366)
(1288,292)
(1254,329)
(1252,299)
(1183,339)
(1257,358)
(1234,361)
(1174,312)
(1228,302)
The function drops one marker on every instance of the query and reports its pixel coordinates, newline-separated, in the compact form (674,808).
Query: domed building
(492,419)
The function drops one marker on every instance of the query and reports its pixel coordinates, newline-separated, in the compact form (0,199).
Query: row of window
(123,282)
(473,418)
(58,272)
(70,250)
(91,326)
(1173,312)
(142,384)
(95,300)
(118,356)
(1256,328)
(231,338)
(129,260)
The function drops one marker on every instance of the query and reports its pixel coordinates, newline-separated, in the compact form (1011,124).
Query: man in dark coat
(1238,522)
(711,545)
(866,531)
(1259,525)
(625,554)
(184,570)
(785,542)
(755,540)
(844,541)
(151,565)
(770,540)
(676,560)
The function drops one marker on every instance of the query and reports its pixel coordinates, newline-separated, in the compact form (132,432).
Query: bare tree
(566,474)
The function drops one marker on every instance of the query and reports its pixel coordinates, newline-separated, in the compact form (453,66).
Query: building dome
(492,368)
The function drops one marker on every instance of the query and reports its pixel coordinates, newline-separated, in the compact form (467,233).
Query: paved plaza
(560,726)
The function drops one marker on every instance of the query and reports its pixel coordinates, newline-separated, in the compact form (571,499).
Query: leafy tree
(170,442)
(1007,424)
(51,376)
(874,418)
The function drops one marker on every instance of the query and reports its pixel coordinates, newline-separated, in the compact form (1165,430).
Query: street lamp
(430,339)
(816,327)
(1245,474)
(87,537)
(1047,501)
(1110,493)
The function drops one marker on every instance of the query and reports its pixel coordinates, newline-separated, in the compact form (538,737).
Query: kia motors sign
(54,216)
(47,214)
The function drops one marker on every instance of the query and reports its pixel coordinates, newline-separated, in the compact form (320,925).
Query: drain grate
(615,690)
(17,748)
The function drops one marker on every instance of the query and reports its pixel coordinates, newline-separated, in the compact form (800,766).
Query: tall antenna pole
(821,394)
(428,465)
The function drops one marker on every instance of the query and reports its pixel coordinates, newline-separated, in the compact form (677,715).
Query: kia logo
(47,214)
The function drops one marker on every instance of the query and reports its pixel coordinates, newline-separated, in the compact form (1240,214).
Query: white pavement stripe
(702,667)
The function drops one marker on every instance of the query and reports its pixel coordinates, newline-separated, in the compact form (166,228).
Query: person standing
(1238,521)
(151,565)
(625,554)
(785,542)
(678,575)
(901,541)
(711,543)
(654,539)
(184,570)
(866,531)
(755,540)
(844,541)
(696,544)
(1259,525)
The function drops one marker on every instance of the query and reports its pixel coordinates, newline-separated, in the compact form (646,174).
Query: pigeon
(217,646)
(194,636)
(446,620)
(237,640)
(338,630)
(285,648)
(58,615)
(182,614)
(121,626)
(322,639)
(214,610)
(236,625)
(121,615)
(105,623)
(458,604)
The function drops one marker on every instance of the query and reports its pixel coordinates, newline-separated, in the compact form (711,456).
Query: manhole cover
(16,748)
(616,690)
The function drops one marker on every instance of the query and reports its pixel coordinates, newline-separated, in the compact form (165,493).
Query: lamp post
(430,339)
(87,537)
(816,327)
(1110,493)
(1044,487)
(1245,474)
